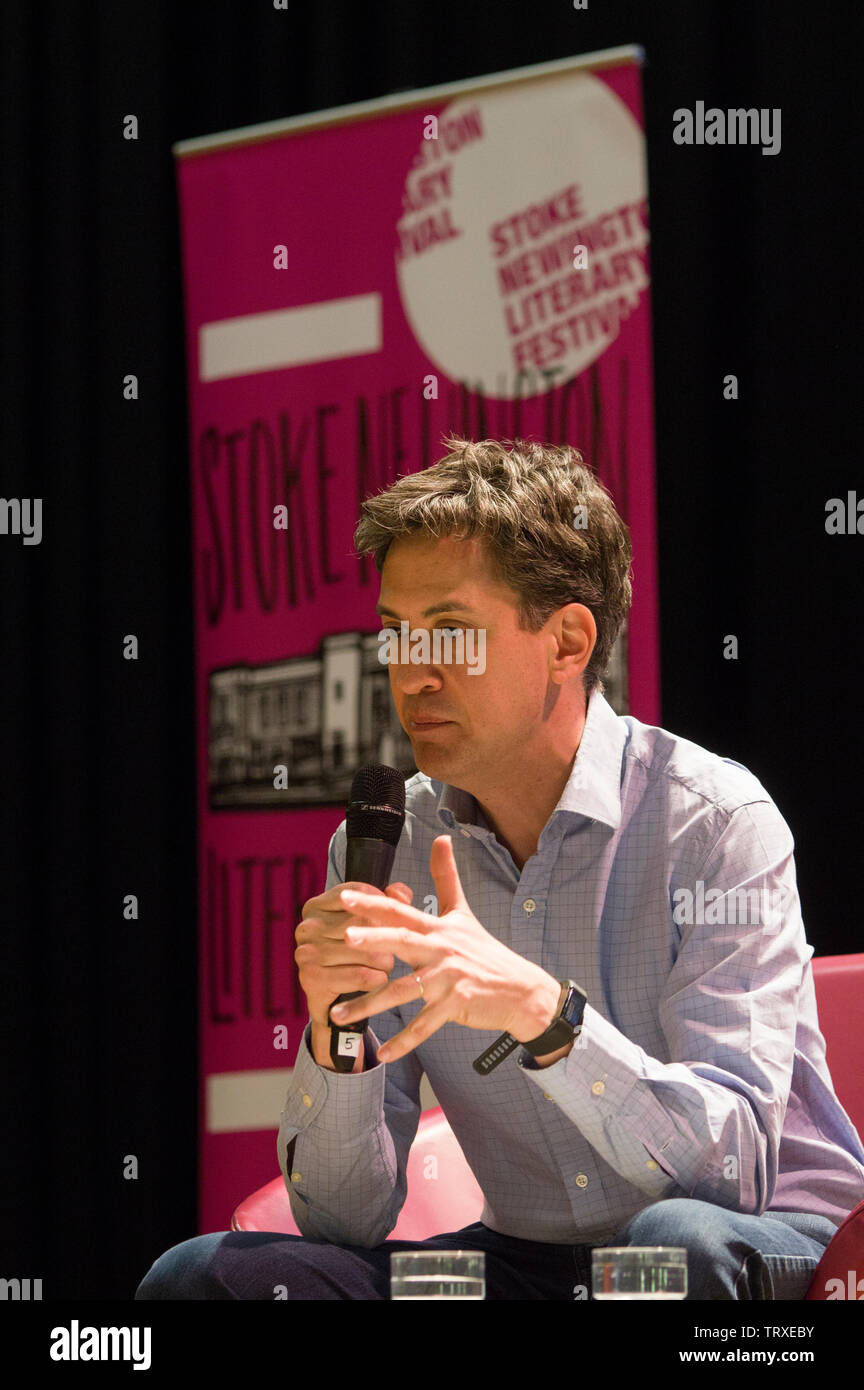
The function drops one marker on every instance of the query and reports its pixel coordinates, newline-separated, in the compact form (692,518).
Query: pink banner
(358,284)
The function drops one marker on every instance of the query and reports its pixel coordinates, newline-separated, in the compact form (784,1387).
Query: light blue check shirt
(700,1071)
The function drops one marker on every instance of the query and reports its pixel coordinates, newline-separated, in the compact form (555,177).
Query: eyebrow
(449,606)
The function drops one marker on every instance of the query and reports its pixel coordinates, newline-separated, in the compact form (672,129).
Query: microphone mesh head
(376,810)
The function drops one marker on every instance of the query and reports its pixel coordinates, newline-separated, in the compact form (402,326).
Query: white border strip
(606,58)
(240,1101)
(246,1100)
(289,337)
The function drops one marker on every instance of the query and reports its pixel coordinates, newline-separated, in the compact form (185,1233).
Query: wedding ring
(420,983)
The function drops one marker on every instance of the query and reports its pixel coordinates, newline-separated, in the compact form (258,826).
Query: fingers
(326,909)
(321,944)
(323,986)
(385,911)
(327,964)
(325,916)
(330,899)
(442,866)
(427,1022)
(329,954)
(389,995)
(346,979)
(413,947)
(400,891)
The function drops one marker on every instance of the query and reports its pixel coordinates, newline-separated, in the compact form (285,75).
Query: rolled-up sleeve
(352,1132)
(707,1123)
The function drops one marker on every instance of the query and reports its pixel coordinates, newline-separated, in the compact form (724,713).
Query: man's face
(491,716)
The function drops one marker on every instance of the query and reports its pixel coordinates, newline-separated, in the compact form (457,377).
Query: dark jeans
(729,1256)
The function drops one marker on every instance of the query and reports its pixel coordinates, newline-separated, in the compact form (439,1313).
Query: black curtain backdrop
(756,271)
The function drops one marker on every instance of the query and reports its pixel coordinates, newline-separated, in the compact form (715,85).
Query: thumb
(442,863)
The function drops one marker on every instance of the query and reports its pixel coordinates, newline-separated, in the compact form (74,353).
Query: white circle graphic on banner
(522,245)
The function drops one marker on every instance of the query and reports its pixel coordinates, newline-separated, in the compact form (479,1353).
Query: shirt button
(581,1180)
(296,1177)
(598,1088)
(307,1101)
(529,904)
(652,1163)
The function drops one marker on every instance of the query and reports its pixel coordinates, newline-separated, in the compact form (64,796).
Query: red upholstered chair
(443,1195)
(839,982)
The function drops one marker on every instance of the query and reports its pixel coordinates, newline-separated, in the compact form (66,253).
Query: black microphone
(374,821)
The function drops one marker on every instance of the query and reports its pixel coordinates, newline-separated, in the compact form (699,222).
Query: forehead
(427,567)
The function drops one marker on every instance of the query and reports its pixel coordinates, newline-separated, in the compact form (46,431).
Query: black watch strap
(566,1025)
(501,1048)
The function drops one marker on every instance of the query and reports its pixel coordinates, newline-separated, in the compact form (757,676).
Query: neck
(518,808)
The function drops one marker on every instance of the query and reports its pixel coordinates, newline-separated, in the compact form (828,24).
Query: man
(567,852)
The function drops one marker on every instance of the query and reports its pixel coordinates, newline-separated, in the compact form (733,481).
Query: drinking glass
(425,1274)
(639,1271)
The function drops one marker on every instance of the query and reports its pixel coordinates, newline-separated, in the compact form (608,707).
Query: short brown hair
(521,497)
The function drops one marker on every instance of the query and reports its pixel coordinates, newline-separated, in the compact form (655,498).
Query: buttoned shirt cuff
(348,1100)
(341,1176)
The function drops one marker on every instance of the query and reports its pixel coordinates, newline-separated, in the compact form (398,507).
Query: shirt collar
(593,788)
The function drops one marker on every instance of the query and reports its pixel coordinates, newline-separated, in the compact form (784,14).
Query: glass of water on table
(426,1274)
(639,1271)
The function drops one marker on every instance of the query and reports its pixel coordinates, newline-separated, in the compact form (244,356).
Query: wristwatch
(565,1026)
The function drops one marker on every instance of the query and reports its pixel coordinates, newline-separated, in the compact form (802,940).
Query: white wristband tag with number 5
(349,1044)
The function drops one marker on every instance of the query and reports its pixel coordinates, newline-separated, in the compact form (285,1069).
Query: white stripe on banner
(241,1100)
(321,332)
(246,1100)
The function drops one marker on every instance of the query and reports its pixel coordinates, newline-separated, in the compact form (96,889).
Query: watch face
(574,1006)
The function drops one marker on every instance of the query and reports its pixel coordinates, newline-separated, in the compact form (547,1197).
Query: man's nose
(410,678)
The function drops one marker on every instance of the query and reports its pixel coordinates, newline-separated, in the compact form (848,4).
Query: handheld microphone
(374,821)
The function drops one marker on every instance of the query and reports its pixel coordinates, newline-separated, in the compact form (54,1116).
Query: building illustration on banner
(321,716)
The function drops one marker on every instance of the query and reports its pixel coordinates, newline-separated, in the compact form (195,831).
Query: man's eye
(451,629)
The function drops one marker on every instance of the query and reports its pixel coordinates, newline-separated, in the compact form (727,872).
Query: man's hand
(467,975)
(329,966)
